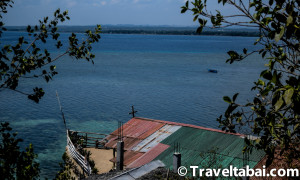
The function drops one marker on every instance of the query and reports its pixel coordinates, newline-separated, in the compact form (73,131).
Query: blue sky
(91,12)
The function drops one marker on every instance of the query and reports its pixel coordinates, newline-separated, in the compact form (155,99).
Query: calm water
(164,77)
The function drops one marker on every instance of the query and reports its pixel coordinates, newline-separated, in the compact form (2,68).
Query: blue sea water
(164,76)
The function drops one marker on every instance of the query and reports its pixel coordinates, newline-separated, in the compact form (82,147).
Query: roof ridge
(189,125)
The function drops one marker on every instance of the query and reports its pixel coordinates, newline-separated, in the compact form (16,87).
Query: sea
(164,77)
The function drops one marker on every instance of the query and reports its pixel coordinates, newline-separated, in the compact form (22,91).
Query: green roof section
(200,147)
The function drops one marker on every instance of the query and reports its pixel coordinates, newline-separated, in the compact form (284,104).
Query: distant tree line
(163,32)
(153,30)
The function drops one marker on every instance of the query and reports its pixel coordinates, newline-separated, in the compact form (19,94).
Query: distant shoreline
(152,30)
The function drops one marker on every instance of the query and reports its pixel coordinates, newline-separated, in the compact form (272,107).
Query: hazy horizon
(114,12)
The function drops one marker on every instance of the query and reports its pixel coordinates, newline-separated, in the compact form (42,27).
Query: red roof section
(129,157)
(139,129)
(129,142)
(149,156)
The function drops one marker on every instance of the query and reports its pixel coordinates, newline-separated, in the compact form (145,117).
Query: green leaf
(275,78)
(267,90)
(195,18)
(260,82)
(183,9)
(263,54)
(278,104)
(227,99)
(287,96)
(266,74)
(235,96)
(199,29)
(52,67)
(279,35)
(289,20)
(289,133)
(271,2)
(296,126)
(255,15)
(201,21)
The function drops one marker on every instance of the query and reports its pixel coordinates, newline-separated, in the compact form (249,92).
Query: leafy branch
(17,61)
(273,114)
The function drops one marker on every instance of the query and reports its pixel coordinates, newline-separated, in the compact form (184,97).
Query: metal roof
(136,173)
(148,139)
(149,156)
(129,157)
(129,142)
(138,128)
(156,138)
(193,142)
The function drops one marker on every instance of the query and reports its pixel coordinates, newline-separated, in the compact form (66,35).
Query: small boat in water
(212,71)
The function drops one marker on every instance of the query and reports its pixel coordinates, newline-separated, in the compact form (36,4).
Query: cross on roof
(133,111)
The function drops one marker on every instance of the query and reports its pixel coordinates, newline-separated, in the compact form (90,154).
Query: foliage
(87,154)
(26,60)
(66,168)
(273,114)
(15,163)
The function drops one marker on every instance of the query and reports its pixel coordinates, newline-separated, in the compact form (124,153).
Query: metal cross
(133,112)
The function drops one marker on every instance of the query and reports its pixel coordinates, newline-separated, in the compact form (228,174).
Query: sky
(91,12)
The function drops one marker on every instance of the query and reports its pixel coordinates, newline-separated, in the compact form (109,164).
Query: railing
(89,139)
(81,160)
